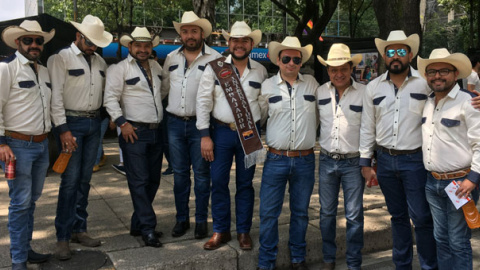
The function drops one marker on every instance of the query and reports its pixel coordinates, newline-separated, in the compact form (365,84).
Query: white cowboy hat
(190,18)
(241,29)
(93,29)
(289,43)
(140,34)
(338,55)
(11,33)
(399,37)
(459,60)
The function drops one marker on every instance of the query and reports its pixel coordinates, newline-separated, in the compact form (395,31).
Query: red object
(10,169)
(374,182)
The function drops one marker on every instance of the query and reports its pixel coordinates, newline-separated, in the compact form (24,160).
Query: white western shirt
(181,82)
(451,134)
(392,120)
(75,85)
(292,119)
(128,95)
(211,97)
(24,97)
(340,122)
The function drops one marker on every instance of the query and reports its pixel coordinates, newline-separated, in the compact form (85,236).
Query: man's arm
(205,96)
(6,154)
(367,136)
(166,78)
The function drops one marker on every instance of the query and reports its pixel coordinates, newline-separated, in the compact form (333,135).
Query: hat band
(339,59)
(142,39)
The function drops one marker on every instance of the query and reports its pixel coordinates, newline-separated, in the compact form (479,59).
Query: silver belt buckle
(335,156)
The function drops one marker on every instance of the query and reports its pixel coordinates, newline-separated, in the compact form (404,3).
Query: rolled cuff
(62,128)
(365,162)
(204,132)
(3,140)
(472,176)
(120,121)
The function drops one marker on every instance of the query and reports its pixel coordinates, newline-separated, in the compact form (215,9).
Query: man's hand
(128,132)
(207,148)
(69,143)
(369,174)
(465,187)
(476,100)
(6,154)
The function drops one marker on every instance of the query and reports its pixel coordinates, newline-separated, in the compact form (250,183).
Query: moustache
(33,50)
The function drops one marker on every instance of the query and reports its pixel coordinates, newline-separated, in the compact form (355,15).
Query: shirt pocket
(76,72)
(173,70)
(26,84)
(417,102)
(356,114)
(199,72)
(132,81)
(310,103)
(449,129)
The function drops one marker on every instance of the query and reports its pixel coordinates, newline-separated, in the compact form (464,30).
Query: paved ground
(110,208)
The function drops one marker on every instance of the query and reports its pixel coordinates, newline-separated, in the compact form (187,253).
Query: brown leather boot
(62,251)
(217,240)
(245,241)
(85,240)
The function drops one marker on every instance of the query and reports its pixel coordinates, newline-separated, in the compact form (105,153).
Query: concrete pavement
(110,209)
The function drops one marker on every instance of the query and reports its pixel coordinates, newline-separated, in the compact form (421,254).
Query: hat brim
(255,35)
(356,59)
(11,33)
(274,48)
(127,38)
(102,42)
(413,41)
(202,23)
(460,61)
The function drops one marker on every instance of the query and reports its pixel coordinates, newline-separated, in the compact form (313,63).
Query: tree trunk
(397,15)
(205,9)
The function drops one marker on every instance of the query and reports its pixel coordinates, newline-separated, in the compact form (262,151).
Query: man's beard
(27,54)
(195,47)
(399,70)
(247,53)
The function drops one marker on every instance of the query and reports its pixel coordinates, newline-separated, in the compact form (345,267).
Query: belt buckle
(185,118)
(152,126)
(390,152)
(232,126)
(335,156)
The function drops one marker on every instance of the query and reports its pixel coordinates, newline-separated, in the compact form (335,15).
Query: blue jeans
(24,191)
(184,142)
(332,173)
(143,165)
(451,231)
(226,146)
(402,179)
(299,172)
(103,129)
(75,185)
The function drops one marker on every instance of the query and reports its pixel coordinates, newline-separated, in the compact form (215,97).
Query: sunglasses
(400,53)
(296,60)
(29,40)
(88,42)
(443,72)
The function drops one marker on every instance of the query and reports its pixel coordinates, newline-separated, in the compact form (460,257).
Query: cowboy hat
(140,34)
(289,43)
(190,18)
(460,61)
(399,37)
(338,55)
(241,29)
(92,28)
(26,28)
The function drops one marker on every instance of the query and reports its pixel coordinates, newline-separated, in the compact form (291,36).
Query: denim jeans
(103,129)
(24,191)
(299,172)
(75,184)
(184,142)
(226,146)
(143,165)
(402,179)
(332,173)
(451,231)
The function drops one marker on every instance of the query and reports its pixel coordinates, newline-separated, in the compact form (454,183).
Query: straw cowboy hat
(338,55)
(241,29)
(140,34)
(459,60)
(289,43)
(27,27)
(399,37)
(190,18)
(92,28)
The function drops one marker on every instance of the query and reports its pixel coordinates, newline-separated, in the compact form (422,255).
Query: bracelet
(122,125)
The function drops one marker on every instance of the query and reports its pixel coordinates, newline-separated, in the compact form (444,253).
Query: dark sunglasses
(296,60)
(400,53)
(442,72)
(29,40)
(88,42)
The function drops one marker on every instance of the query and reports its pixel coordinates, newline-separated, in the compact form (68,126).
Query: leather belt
(232,125)
(337,156)
(87,114)
(183,118)
(394,152)
(291,153)
(450,175)
(147,125)
(23,137)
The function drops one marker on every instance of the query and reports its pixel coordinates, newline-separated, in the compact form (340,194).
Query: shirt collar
(75,49)
(22,58)
(130,58)
(454,92)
